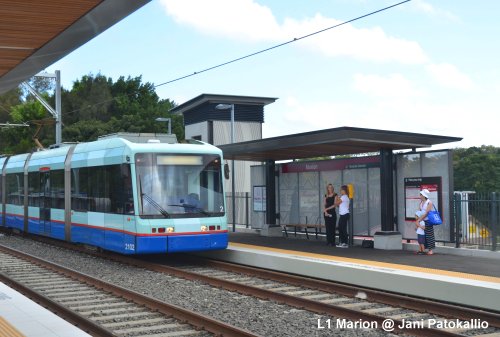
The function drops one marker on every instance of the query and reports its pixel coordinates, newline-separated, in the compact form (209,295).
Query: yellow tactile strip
(7,330)
(374,263)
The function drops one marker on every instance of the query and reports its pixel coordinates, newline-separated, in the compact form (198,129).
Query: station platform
(20,316)
(463,280)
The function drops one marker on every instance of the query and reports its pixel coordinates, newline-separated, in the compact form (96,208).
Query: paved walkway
(463,264)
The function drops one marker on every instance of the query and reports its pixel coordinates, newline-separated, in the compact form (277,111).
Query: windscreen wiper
(155,205)
(193,207)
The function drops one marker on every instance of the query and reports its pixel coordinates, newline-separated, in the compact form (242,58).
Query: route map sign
(413,186)
(259,198)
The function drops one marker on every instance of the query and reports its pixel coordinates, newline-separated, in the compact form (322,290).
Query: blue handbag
(434,218)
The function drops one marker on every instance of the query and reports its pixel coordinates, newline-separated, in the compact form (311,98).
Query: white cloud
(449,76)
(291,101)
(427,8)
(291,115)
(366,44)
(241,19)
(296,115)
(394,85)
(246,19)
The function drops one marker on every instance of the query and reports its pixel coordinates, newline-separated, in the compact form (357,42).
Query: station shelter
(386,183)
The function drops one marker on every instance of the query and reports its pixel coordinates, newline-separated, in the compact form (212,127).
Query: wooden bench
(304,227)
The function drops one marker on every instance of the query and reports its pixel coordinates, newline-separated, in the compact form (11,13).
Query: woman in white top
(343,203)
(426,207)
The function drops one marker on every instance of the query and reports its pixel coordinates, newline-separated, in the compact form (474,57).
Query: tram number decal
(129,246)
(222,208)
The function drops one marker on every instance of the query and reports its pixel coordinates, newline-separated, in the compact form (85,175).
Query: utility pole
(56,114)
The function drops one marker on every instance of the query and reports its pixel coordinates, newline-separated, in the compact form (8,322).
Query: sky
(425,66)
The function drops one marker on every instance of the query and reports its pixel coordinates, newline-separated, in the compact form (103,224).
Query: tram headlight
(204,228)
(170,229)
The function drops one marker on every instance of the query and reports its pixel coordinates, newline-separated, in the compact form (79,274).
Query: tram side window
(113,190)
(34,190)
(80,189)
(128,196)
(103,189)
(14,188)
(109,189)
(119,189)
(97,185)
(57,189)
(210,181)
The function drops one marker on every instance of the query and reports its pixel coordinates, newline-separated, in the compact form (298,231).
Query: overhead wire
(254,53)
(279,45)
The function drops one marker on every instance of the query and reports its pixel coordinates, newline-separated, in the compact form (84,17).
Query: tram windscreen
(179,185)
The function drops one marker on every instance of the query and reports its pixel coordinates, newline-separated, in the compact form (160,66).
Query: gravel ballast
(261,317)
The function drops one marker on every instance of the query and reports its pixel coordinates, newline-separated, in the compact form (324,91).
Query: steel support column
(494,220)
(387,189)
(67,194)
(270,193)
(26,181)
(58,108)
(3,194)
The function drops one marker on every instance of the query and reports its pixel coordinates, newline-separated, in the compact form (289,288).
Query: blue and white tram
(122,196)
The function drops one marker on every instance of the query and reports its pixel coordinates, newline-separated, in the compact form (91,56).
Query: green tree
(95,105)
(19,139)
(83,131)
(7,101)
(89,99)
(477,169)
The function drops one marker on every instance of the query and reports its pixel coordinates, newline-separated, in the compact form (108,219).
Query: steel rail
(311,305)
(67,314)
(407,302)
(200,321)
(402,301)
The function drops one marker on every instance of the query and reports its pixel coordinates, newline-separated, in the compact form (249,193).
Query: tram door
(45,199)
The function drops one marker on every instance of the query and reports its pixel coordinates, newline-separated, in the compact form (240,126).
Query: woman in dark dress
(330,214)
(426,206)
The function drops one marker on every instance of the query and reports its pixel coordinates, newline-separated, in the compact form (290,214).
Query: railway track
(326,298)
(348,301)
(100,308)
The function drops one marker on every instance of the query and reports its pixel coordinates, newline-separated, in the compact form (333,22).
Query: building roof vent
(164,138)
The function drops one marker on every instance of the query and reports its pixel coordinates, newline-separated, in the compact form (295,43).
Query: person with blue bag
(426,206)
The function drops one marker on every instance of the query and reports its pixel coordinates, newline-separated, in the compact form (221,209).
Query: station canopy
(329,142)
(36,33)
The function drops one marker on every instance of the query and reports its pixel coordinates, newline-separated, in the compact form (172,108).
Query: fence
(242,206)
(476,219)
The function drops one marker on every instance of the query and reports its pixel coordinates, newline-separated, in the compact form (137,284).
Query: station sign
(331,165)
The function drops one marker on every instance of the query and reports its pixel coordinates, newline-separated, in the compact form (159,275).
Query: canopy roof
(224,99)
(329,142)
(34,34)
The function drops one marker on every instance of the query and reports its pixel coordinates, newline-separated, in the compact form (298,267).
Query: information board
(259,198)
(413,186)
